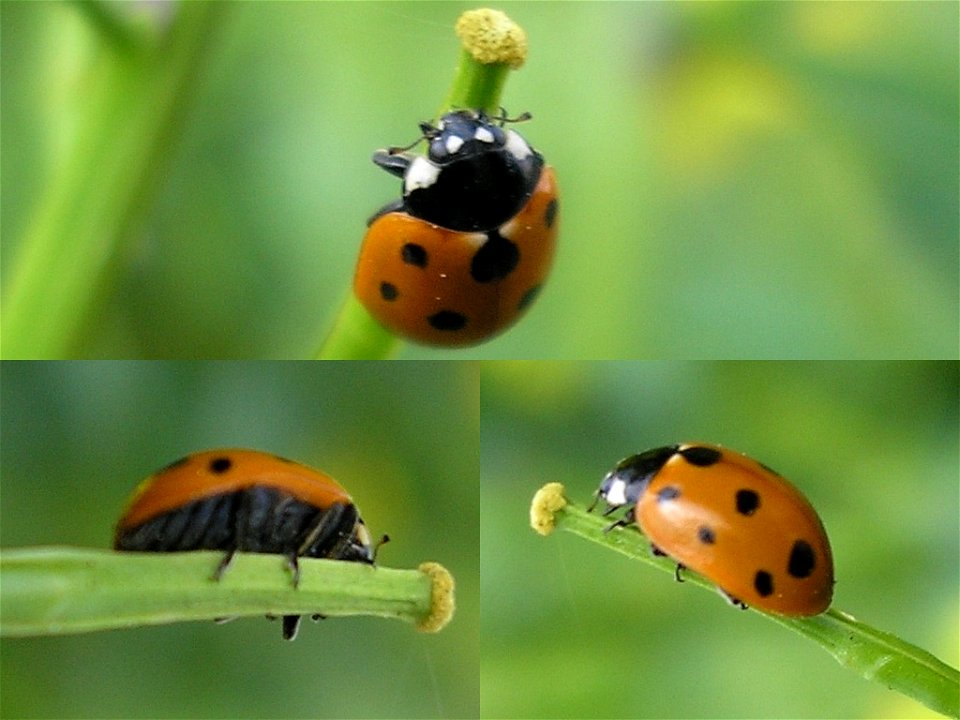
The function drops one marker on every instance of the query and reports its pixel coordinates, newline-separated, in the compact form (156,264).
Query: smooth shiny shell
(743,526)
(443,287)
(213,472)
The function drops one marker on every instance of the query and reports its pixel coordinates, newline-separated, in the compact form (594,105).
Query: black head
(626,482)
(476,174)
(463,134)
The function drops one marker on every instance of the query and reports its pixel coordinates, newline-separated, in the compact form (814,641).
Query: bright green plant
(874,654)
(137,86)
(139,80)
(58,590)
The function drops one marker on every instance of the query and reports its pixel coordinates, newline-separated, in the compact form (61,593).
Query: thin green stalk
(476,85)
(492,46)
(356,335)
(61,590)
(873,654)
(133,101)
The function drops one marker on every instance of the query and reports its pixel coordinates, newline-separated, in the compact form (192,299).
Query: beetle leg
(294,566)
(291,623)
(737,602)
(224,564)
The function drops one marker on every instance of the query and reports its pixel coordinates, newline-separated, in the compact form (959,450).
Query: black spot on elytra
(413,254)
(496,258)
(550,214)
(802,560)
(388,291)
(447,320)
(220,465)
(747,502)
(528,297)
(763,583)
(670,492)
(706,535)
(701,456)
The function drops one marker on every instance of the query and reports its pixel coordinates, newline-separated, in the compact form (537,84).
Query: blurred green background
(739,180)
(570,629)
(401,437)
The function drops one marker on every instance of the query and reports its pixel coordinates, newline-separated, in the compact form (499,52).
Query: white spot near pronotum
(453,144)
(616,493)
(363,535)
(517,146)
(421,174)
(475,240)
(483,135)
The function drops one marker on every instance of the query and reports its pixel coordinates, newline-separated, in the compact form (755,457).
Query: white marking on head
(517,146)
(363,535)
(483,135)
(453,144)
(617,493)
(420,174)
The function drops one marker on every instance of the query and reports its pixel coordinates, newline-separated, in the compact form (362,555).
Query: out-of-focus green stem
(135,91)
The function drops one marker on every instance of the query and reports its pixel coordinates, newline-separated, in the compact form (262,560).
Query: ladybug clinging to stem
(468,245)
(239,500)
(731,519)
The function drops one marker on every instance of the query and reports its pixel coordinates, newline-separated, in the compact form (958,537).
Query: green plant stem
(355,335)
(126,25)
(133,102)
(873,654)
(60,590)
(476,85)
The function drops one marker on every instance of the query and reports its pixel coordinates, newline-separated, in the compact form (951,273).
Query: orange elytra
(245,501)
(731,519)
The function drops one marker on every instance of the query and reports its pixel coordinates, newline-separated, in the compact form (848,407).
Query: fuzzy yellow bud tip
(546,503)
(441,598)
(492,37)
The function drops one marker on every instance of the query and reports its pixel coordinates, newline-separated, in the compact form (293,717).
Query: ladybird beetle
(465,250)
(729,518)
(245,501)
